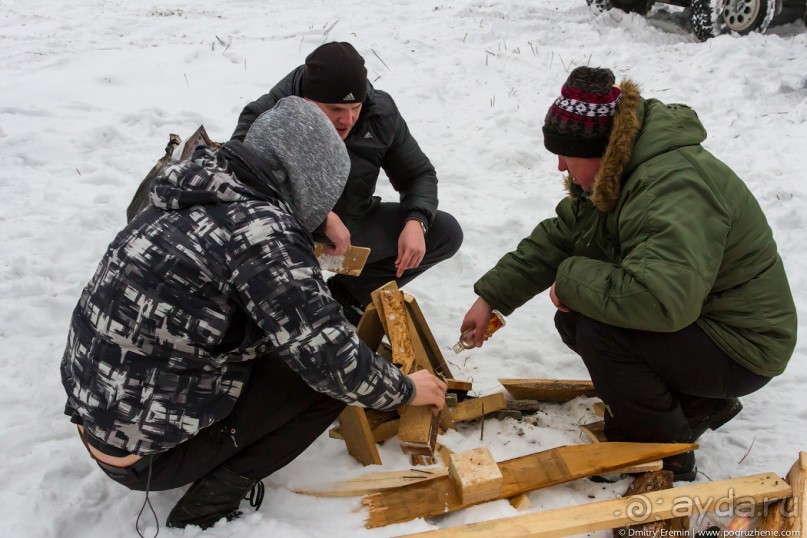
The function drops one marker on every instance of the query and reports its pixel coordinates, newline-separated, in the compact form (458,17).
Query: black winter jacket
(218,274)
(379,139)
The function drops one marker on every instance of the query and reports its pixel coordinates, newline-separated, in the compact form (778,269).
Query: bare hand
(429,390)
(555,301)
(339,235)
(476,320)
(411,247)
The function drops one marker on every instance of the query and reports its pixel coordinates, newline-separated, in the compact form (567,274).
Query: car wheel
(703,16)
(743,16)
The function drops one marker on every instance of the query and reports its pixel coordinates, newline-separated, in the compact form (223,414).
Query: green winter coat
(668,236)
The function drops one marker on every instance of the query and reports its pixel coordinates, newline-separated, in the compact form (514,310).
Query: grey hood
(307,157)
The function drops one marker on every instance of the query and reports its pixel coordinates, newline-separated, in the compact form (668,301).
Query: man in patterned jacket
(206,348)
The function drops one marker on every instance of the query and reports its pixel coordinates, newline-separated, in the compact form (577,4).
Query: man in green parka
(660,262)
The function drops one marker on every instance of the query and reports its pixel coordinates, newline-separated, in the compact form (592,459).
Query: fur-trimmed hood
(631,143)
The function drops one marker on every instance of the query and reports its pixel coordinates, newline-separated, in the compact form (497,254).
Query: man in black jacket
(405,238)
(206,348)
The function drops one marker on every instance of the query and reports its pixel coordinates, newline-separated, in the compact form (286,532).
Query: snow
(91,90)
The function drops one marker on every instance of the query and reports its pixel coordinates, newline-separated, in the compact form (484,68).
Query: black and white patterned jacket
(217,274)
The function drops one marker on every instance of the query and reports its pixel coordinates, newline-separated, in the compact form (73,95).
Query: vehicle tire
(599,5)
(633,6)
(743,16)
(704,17)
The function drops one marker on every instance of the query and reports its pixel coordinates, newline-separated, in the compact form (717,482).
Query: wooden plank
(595,434)
(475,475)
(351,263)
(381,433)
(603,515)
(370,329)
(527,473)
(459,385)
(645,483)
(417,431)
(599,409)
(397,326)
(373,482)
(788,517)
(358,436)
(473,408)
(548,390)
(435,354)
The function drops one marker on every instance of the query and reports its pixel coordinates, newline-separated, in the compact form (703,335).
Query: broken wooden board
(379,305)
(535,471)
(548,390)
(459,385)
(474,408)
(429,343)
(373,482)
(396,322)
(788,517)
(417,431)
(475,475)
(608,514)
(645,483)
(520,502)
(351,263)
(595,434)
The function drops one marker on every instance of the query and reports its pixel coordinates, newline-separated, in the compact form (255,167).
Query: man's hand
(476,320)
(429,390)
(411,247)
(555,301)
(339,235)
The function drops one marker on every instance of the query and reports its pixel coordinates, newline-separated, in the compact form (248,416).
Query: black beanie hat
(335,73)
(579,123)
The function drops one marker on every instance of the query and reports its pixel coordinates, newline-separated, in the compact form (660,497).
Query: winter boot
(352,309)
(682,466)
(214,496)
(709,413)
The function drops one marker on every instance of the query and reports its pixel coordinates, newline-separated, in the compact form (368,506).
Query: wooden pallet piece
(433,351)
(474,408)
(358,436)
(523,474)
(548,390)
(645,483)
(475,475)
(373,482)
(417,431)
(595,434)
(350,263)
(608,514)
(788,517)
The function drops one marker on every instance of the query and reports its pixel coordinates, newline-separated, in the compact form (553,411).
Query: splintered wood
(520,475)
(398,330)
(475,475)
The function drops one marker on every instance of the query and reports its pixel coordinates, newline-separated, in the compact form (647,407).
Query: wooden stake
(430,344)
(358,436)
(527,473)
(548,390)
(602,515)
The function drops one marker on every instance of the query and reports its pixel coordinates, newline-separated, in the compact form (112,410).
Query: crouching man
(206,349)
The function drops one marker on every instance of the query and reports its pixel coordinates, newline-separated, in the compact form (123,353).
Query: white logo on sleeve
(368,135)
(349,97)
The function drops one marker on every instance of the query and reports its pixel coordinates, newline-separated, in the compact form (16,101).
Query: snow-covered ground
(91,89)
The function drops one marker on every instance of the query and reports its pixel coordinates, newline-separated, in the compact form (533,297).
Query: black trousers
(644,377)
(380,233)
(275,419)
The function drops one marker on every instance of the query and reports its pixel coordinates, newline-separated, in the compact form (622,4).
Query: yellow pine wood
(473,408)
(548,390)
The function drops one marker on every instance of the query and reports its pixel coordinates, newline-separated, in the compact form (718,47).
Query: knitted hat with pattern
(578,123)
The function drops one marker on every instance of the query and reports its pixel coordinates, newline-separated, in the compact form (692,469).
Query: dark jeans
(276,418)
(644,377)
(380,233)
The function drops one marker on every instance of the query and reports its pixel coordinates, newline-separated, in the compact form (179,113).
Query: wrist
(420,224)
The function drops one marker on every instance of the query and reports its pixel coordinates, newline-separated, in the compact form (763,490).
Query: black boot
(682,466)
(214,496)
(709,413)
